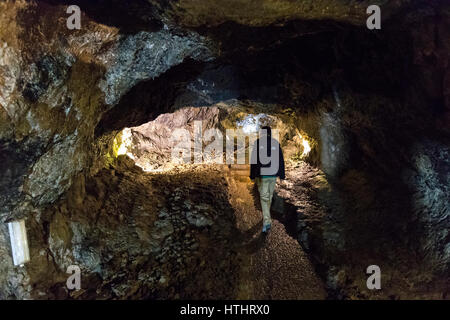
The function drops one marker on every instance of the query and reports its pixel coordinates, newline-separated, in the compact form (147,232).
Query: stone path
(274,266)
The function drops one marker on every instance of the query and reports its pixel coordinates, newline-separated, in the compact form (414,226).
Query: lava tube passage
(245,151)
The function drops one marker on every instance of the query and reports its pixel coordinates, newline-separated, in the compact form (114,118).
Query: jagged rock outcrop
(152,143)
(374,104)
(57,89)
(429,179)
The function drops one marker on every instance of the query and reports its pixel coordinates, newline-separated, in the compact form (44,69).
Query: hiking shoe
(266,228)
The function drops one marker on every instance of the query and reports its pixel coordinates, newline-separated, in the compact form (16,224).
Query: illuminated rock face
(430,183)
(65,94)
(265,12)
(151,144)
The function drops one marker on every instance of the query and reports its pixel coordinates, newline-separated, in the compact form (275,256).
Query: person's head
(265,131)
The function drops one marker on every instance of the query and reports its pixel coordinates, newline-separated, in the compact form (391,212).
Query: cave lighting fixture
(305,144)
(19,242)
(125,143)
(251,123)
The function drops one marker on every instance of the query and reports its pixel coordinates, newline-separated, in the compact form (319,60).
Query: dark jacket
(255,166)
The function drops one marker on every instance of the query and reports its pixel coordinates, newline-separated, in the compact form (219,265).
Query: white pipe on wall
(19,242)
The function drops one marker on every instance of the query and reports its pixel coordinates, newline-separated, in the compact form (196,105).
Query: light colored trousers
(266,186)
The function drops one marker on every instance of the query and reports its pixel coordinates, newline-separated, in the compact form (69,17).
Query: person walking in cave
(266,164)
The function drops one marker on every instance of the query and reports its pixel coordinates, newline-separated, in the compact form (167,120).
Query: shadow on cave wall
(148,99)
(265,77)
(129,17)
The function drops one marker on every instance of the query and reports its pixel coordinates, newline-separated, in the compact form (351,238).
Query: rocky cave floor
(198,228)
(194,232)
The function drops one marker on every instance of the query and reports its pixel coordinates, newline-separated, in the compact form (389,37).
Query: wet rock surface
(139,236)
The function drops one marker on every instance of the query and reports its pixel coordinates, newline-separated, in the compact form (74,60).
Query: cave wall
(378,105)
